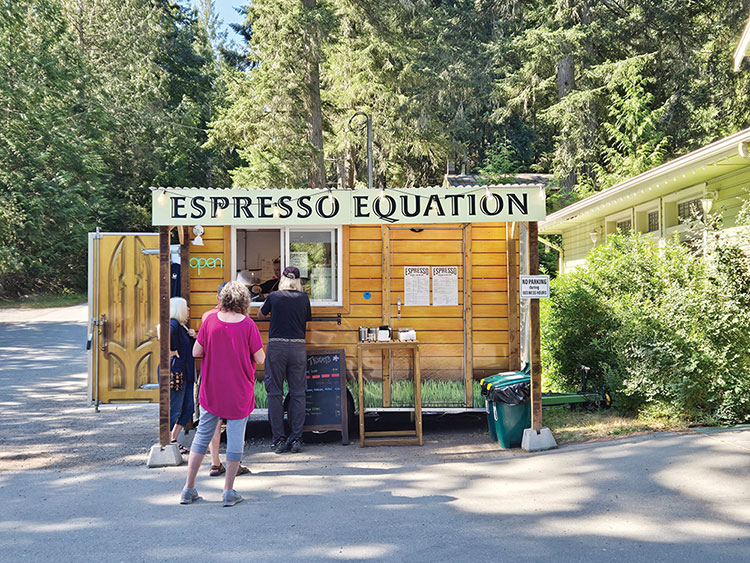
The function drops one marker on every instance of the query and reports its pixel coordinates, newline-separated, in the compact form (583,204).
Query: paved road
(74,486)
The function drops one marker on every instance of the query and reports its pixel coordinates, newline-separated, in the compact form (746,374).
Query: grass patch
(43,301)
(436,394)
(581,425)
(567,425)
(261,398)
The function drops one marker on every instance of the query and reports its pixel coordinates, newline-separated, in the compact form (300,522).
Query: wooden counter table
(393,437)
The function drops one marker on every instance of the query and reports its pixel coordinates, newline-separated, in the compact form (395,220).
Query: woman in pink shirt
(229,343)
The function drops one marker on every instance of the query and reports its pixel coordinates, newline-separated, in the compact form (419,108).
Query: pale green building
(660,202)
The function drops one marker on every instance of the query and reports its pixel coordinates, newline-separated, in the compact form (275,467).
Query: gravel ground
(46,421)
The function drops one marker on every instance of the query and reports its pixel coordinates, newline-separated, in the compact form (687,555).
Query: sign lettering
(191,206)
(206,263)
(534,287)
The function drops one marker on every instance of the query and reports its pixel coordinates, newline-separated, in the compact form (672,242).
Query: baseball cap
(291,272)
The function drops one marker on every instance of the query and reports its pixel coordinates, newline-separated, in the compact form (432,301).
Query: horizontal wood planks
(490,298)
(440,329)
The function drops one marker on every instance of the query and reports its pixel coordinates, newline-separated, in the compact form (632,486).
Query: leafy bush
(664,329)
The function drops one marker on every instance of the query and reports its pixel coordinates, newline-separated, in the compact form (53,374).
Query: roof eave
(705,156)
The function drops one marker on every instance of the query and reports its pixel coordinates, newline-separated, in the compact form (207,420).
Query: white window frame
(284,255)
(337,232)
(670,202)
(641,213)
(610,221)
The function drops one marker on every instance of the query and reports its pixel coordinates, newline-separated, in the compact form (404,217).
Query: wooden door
(126,304)
(439,328)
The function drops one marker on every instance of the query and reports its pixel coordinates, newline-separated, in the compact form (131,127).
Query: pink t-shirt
(228,369)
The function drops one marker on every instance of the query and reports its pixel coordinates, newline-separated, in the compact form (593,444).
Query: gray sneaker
(189,495)
(231,497)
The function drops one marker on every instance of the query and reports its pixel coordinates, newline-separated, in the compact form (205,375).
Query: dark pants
(286,360)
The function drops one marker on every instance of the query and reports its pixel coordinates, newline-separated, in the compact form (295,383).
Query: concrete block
(533,442)
(164,456)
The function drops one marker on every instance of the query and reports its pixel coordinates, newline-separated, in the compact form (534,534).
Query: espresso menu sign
(206,206)
(325,406)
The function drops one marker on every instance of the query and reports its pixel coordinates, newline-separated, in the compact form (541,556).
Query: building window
(625,226)
(315,253)
(680,208)
(647,219)
(689,210)
(261,254)
(619,222)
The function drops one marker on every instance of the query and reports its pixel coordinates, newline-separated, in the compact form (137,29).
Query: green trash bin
(500,379)
(508,408)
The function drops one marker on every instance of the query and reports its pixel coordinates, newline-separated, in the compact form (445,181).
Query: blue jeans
(181,405)
(206,429)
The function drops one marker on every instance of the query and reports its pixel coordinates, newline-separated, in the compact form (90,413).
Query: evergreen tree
(50,163)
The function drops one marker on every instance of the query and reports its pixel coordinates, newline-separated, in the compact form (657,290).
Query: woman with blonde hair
(181,368)
(229,343)
(289,308)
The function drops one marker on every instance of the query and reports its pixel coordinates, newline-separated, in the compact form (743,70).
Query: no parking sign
(534,287)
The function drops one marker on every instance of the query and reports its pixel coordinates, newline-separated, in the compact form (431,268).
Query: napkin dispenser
(407,335)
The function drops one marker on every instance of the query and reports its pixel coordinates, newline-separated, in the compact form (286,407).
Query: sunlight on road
(350,552)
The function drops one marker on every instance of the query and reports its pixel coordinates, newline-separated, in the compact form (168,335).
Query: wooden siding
(442,246)
(489,288)
(439,329)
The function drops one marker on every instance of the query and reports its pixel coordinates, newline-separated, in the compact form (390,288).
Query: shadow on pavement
(669,497)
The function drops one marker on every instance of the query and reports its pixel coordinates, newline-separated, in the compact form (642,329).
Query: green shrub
(664,329)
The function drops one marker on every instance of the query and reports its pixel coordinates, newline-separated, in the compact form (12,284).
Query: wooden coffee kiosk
(443,262)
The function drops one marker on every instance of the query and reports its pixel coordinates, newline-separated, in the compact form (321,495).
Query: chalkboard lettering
(325,407)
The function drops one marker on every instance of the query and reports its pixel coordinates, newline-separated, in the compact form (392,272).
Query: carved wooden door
(126,305)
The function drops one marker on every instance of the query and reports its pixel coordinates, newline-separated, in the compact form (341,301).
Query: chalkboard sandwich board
(326,404)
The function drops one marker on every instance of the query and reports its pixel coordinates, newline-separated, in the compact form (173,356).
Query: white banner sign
(416,286)
(444,286)
(299,260)
(534,287)
(206,206)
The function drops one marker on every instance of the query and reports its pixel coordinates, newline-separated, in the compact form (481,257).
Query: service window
(315,253)
(260,254)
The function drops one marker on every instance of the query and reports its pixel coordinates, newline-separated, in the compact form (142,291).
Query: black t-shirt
(270,286)
(290,310)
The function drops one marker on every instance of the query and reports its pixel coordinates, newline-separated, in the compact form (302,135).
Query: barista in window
(269,285)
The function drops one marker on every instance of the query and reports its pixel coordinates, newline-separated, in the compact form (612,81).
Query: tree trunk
(565,84)
(317,174)
(566,80)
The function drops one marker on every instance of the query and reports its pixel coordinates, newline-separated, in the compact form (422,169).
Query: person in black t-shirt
(289,308)
(269,286)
